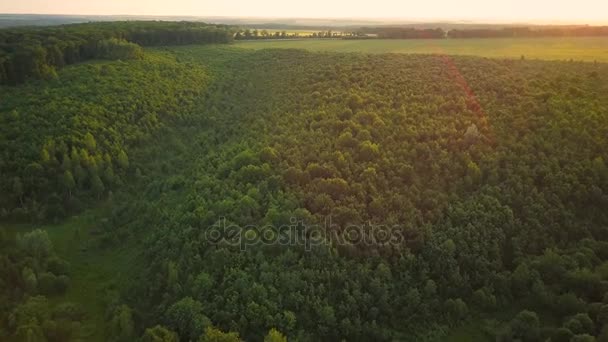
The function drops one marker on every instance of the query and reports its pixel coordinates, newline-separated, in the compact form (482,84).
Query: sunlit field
(301,33)
(579,49)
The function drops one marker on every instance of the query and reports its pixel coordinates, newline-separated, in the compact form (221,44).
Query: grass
(580,49)
(93,270)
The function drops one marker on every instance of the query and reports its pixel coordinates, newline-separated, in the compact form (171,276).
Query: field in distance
(579,49)
(300,32)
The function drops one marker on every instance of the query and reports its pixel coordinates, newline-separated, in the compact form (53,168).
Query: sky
(566,11)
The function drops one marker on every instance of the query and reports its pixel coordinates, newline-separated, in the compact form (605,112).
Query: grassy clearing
(93,270)
(579,49)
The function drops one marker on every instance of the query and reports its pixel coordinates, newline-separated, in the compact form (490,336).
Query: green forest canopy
(34,52)
(493,171)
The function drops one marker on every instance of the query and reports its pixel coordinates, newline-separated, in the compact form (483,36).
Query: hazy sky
(489,10)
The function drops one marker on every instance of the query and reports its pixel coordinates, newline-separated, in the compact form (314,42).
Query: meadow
(579,49)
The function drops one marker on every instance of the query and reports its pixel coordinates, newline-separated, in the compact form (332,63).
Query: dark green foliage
(50,284)
(562,335)
(159,334)
(70,140)
(415,151)
(407,33)
(215,335)
(187,319)
(492,171)
(526,326)
(36,52)
(122,327)
(26,266)
(583,338)
(275,336)
(114,48)
(519,32)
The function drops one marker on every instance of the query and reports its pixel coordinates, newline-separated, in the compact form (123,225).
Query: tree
(89,142)
(121,325)
(215,335)
(187,319)
(172,277)
(562,335)
(203,284)
(275,336)
(18,189)
(473,172)
(66,162)
(37,244)
(114,48)
(457,308)
(108,175)
(123,160)
(45,157)
(526,326)
(583,338)
(68,182)
(29,280)
(430,288)
(471,135)
(29,316)
(484,299)
(159,334)
(97,186)
(31,332)
(368,150)
(603,333)
(580,323)
(602,315)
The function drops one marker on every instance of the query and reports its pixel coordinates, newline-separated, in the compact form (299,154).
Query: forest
(33,52)
(550,31)
(490,175)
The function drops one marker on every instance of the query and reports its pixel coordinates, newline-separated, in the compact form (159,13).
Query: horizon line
(421,20)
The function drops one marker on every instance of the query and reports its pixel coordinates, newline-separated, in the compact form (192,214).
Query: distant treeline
(397,32)
(510,32)
(515,32)
(38,52)
(408,33)
(248,34)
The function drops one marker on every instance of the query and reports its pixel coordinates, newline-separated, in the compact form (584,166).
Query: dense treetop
(492,171)
(35,52)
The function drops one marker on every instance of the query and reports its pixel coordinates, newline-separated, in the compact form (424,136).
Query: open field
(579,49)
(305,32)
